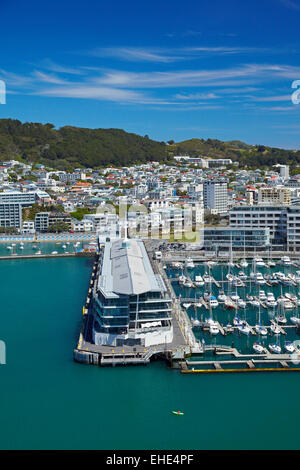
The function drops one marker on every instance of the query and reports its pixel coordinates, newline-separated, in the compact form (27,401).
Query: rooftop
(126,270)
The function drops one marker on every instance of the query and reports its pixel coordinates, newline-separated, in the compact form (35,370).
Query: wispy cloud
(137,54)
(196,96)
(167,55)
(192,78)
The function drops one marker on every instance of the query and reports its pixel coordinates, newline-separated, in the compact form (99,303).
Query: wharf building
(131,305)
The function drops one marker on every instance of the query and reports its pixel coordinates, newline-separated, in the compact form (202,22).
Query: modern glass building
(219,237)
(131,305)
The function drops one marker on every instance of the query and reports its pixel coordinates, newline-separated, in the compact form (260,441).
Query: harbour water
(15,249)
(49,402)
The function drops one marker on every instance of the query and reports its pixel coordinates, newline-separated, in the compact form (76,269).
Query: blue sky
(169,69)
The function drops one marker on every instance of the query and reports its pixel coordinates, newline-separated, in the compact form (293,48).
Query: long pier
(184,342)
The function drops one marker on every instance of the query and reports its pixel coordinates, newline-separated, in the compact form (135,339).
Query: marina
(207,301)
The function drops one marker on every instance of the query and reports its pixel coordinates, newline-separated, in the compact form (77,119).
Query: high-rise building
(215,196)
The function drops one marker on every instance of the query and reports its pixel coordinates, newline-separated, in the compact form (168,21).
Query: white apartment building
(262,216)
(82,225)
(215,196)
(28,226)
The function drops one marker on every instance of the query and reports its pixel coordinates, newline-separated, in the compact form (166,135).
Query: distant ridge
(69,147)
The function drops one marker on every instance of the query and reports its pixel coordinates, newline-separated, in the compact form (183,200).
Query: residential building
(41,221)
(25,198)
(274,195)
(237,238)
(28,226)
(215,196)
(56,217)
(10,214)
(262,216)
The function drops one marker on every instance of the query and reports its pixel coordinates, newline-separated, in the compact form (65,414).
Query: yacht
(244,328)
(289,347)
(186,306)
(285,261)
(297,277)
(259,262)
(199,281)
(54,253)
(189,263)
(235,297)
(281,319)
(285,303)
(258,348)
(291,297)
(241,303)
(243,263)
(258,278)
(254,303)
(275,348)
(261,330)
(228,328)
(187,283)
(214,330)
(242,276)
(280,276)
(213,302)
(237,321)
(206,278)
(275,328)
(295,320)
(271,302)
(221,296)
(213,326)
(262,295)
(271,264)
(229,277)
(236,282)
(195,322)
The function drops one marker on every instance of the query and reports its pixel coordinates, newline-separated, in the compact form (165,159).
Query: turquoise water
(29,248)
(50,402)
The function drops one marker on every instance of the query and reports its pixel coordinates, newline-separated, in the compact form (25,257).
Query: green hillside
(70,147)
(251,155)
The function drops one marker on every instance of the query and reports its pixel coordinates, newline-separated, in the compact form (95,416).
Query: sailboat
(230,262)
(258,348)
(259,328)
(243,262)
(213,325)
(275,328)
(275,348)
(194,320)
(289,347)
